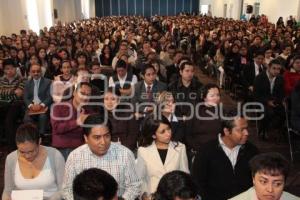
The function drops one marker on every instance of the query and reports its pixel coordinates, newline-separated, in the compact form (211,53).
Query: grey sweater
(57,163)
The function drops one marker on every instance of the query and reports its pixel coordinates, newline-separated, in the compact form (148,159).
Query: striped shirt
(8,87)
(118,161)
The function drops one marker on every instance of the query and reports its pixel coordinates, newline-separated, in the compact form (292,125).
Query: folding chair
(293,135)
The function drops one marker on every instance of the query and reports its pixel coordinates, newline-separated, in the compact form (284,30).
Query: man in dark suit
(221,166)
(172,71)
(37,98)
(269,90)
(147,90)
(251,71)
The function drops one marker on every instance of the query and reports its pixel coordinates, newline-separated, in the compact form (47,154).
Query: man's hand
(81,118)
(271,103)
(36,107)
(250,88)
(19,92)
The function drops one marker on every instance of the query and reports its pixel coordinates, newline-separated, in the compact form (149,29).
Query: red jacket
(65,132)
(290,80)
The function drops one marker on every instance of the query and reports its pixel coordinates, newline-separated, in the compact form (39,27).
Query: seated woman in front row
(269,173)
(157,153)
(33,166)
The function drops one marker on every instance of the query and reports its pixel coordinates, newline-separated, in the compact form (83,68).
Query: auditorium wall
(272,8)
(144,7)
(14,14)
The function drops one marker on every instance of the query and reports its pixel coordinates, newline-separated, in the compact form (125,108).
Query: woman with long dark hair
(158,153)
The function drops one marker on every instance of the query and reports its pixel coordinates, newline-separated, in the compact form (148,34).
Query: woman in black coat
(124,125)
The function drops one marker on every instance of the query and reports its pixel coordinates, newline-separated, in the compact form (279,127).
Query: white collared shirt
(146,86)
(172,118)
(232,154)
(257,67)
(36,99)
(272,82)
(118,162)
(122,81)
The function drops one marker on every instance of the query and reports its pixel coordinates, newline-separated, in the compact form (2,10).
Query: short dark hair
(184,64)
(145,67)
(113,91)
(56,56)
(95,63)
(296,57)
(259,52)
(95,120)
(27,132)
(9,61)
(81,53)
(275,62)
(206,89)
(228,121)
(271,163)
(176,184)
(79,85)
(93,183)
(121,64)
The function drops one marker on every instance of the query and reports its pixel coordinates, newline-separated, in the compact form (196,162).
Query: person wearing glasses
(100,152)
(37,98)
(33,166)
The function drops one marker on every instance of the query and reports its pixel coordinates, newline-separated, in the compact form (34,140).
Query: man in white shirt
(99,152)
(122,81)
(221,166)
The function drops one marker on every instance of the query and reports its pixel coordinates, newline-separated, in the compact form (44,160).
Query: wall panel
(123,7)
(106,7)
(155,7)
(147,8)
(114,7)
(163,7)
(171,7)
(179,6)
(139,7)
(131,7)
(186,6)
(144,7)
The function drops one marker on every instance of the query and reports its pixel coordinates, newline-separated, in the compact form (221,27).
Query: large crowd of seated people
(121,94)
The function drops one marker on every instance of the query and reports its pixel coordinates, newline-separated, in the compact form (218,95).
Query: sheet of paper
(27,194)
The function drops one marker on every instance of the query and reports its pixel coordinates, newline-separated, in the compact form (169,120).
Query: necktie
(149,93)
(260,69)
(36,99)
